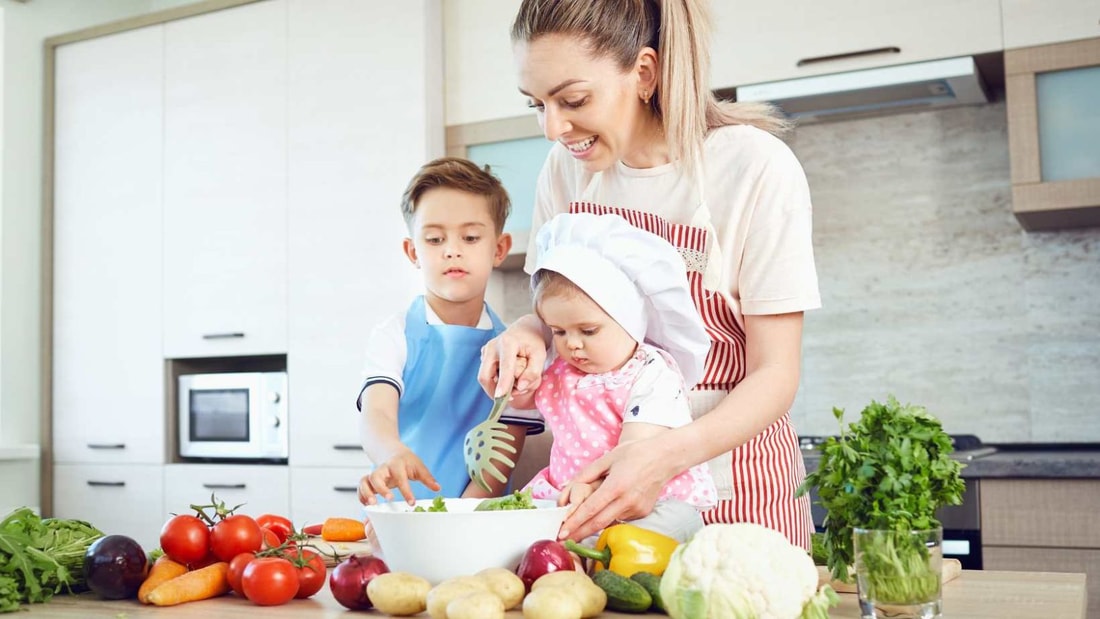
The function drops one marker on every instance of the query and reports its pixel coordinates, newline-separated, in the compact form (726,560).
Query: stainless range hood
(908,87)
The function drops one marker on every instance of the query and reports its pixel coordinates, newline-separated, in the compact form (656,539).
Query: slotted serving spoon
(486,443)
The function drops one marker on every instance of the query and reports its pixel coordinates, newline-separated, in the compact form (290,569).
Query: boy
(420,394)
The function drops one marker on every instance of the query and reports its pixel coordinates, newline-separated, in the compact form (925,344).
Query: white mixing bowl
(460,541)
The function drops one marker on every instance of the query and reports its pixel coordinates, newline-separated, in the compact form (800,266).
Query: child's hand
(574,494)
(396,472)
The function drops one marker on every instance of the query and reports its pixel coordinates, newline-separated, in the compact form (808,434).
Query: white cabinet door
(319,493)
(363,116)
(480,69)
(225,182)
(260,489)
(762,42)
(116,499)
(108,367)
(1037,22)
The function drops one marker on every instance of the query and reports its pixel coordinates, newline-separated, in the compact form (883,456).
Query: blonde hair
(546,283)
(463,175)
(679,31)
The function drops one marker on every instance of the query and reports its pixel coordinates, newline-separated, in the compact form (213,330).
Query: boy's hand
(396,472)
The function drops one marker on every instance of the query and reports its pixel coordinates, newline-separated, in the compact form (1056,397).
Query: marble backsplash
(931,290)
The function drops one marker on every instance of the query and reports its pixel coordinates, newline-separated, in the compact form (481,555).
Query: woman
(621,86)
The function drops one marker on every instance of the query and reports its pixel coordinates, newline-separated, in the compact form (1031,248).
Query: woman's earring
(645,97)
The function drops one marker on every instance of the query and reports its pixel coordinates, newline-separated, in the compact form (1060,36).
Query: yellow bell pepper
(627,549)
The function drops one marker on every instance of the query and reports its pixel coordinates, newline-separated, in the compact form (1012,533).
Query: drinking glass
(899,573)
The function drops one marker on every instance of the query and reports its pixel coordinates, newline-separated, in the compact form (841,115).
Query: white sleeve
(530,419)
(385,356)
(658,396)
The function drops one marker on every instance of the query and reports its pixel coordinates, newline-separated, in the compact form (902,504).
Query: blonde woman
(621,86)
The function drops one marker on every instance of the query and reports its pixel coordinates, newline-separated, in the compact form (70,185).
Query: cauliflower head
(730,571)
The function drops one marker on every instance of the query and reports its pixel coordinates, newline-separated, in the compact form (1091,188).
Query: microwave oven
(236,416)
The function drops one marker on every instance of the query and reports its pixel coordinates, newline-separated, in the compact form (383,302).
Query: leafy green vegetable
(39,558)
(437,505)
(890,470)
(516,500)
(817,549)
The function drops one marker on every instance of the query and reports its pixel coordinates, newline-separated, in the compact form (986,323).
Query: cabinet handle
(221,336)
(106,445)
(348,447)
(865,52)
(224,486)
(106,484)
(345,488)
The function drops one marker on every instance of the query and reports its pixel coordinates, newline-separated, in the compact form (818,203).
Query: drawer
(116,499)
(1067,560)
(319,493)
(1041,512)
(259,489)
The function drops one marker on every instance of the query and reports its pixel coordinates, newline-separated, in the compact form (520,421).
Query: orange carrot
(343,530)
(162,571)
(204,583)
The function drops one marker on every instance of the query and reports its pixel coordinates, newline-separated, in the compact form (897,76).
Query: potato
(551,603)
(505,584)
(480,605)
(591,598)
(442,594)
(399,593)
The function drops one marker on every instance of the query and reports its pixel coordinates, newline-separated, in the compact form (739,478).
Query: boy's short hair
(463,175)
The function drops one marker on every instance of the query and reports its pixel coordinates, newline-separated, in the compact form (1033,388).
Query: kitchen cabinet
(1034,22)
(755,42)
(1053,133)
(319,493)
(258,488)
(1045,525)
(124,499)
(107,362)
(225,182)
(480,72)
(347,170)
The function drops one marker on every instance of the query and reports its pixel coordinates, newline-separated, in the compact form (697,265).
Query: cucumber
(623,594)
(652,584)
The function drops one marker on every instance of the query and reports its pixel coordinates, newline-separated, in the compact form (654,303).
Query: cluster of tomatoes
(266,563)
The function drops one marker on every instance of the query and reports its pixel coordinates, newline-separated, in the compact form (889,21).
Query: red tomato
(311,571)
(236,570)
(236,534)
(185,539)
(269,581)
(278,525)
(271,540)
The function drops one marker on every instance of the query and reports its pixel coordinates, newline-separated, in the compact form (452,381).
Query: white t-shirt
(387,352)
(759,203)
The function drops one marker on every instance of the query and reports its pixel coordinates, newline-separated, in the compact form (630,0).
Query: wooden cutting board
(951,570)
(342,550)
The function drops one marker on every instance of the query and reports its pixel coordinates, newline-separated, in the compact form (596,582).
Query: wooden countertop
(974,595)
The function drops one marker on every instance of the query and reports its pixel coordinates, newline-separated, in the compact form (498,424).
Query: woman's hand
(632,480)
(396,472)
(512,361)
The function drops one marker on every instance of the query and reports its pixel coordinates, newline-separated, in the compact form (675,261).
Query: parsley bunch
(890,470)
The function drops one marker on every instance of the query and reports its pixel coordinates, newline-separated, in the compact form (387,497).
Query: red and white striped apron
(756,481)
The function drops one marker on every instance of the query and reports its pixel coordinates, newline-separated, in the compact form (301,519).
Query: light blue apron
(442,398)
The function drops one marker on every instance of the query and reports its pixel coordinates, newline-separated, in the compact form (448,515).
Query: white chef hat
(637,277)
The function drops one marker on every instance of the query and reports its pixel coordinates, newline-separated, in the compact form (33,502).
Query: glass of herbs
(881,482)
(899,573)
